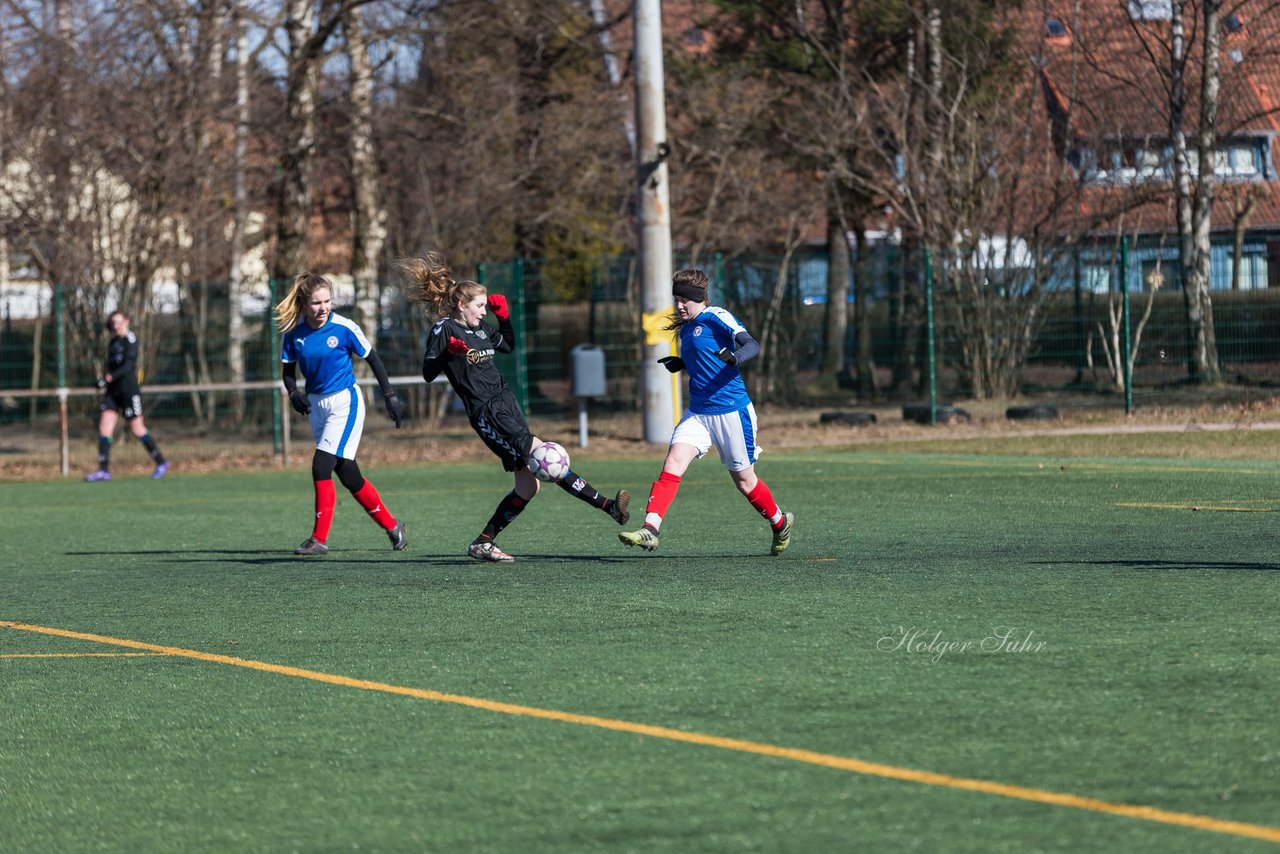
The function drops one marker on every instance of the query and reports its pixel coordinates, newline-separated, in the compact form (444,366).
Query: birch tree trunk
(294,203)
(1205,354)
(239,211)
(369,231)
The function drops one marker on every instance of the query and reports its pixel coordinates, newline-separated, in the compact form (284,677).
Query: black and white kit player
(122,397)
(463,348)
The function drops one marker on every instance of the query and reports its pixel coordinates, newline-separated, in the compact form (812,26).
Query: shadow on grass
(1165,564)
(272,556)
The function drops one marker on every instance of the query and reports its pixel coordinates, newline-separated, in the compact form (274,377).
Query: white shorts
(733,433)
(337,421)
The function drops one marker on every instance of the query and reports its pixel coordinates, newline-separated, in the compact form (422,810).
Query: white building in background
(24,292)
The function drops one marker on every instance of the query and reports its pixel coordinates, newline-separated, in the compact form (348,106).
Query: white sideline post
(64,441)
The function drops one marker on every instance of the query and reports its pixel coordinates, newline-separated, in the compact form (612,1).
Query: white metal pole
(654,220)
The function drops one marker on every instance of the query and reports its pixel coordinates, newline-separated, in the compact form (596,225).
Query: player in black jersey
(463,347)
(121,395)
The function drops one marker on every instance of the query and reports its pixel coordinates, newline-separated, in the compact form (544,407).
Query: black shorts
(502,427)
(127,400)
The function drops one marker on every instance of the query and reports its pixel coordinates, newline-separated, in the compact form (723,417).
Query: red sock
(662,493)
(325,499)
(371,501)
(762,499)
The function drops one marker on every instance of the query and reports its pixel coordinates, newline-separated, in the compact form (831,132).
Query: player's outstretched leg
(782,534)
(311,546)
(485,550)
(646,538)
(618,507)
(398,540)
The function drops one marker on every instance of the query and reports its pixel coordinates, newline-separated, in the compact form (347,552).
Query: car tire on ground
(852,419)
(1032,413)
(947,414)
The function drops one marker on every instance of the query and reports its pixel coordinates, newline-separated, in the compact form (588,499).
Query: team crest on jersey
(331,341)
(697,330)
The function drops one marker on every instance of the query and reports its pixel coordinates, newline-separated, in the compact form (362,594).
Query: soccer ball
(549,462)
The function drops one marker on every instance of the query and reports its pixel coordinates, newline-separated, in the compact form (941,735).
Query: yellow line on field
(1182,506)
(842,763)
(82,654)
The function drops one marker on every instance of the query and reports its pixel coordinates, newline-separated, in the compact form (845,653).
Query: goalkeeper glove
(300,402)
(674,364)
(498,305)
(727,356)
(394,407)
(457,346)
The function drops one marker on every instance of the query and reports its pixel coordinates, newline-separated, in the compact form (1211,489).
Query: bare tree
(369,228)
(1185,91)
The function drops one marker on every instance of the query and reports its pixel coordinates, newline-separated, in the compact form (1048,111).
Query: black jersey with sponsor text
(473,374)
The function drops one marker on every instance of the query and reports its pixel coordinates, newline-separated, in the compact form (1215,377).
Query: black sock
(508,509)
(579,488)
(104,452)
(152,449)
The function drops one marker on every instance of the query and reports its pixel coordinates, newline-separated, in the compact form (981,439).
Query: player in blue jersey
(712,345)
(320,344)
(462,347)
(122,395)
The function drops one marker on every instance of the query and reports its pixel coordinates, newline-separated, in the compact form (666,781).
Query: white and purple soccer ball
(549,462)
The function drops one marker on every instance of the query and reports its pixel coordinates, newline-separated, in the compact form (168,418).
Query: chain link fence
(920,327)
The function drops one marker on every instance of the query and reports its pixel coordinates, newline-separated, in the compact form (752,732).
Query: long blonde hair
(433,284)
(293,307)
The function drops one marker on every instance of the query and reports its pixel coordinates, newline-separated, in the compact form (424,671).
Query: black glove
(101,383)
(300,402)
(727,356)
(674,364)
(394,407)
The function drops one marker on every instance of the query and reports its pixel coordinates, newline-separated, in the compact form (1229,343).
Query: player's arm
(390,399)
(505,340)
(747,348)
(289,376)
(437,353)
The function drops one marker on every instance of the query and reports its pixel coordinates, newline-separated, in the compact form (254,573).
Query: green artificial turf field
(958,653)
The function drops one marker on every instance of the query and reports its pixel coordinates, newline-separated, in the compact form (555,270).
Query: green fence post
(928,314)
(64,426)
(521,329)
(1125,341)
(1078,325)
(277,420)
